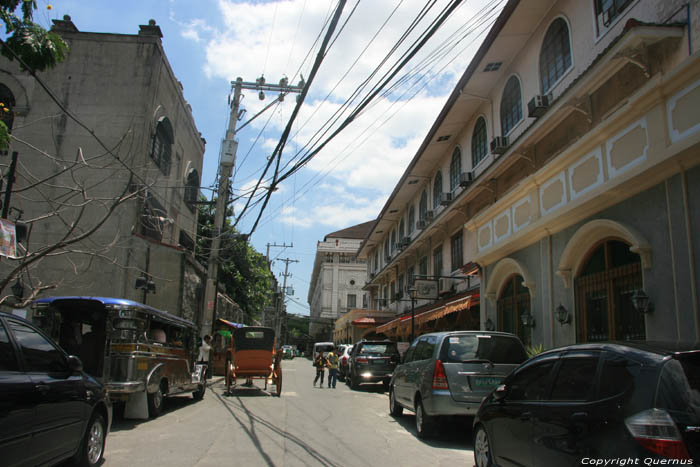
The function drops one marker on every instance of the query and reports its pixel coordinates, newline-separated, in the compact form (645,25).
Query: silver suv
(449,373)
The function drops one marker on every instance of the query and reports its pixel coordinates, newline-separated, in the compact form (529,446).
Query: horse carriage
(252,355)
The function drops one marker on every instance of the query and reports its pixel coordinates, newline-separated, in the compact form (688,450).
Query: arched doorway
(603,288)
(514,302)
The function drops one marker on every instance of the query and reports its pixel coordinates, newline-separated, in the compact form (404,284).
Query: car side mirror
(75,364)
(500,392)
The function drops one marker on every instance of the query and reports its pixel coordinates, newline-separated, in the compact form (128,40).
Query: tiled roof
(358,231)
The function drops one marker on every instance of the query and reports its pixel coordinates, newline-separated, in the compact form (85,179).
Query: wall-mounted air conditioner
(537,106)
(445,198)
(499,145)
(466,179)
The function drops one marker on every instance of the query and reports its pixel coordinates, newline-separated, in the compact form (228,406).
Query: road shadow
(450,432)
(249,423)
(372,388)
(170,404)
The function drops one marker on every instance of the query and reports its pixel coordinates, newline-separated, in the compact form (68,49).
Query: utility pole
(278,321)
(267,253)
(229,146)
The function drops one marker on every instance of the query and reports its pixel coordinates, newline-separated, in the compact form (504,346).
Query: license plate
(486,381)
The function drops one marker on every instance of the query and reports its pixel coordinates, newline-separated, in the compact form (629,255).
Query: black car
(50,410)
(372,362)
(579,404)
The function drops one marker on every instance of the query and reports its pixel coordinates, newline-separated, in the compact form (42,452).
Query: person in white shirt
(204,350)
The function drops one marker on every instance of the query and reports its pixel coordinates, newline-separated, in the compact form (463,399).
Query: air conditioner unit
(466,179)
(445,198)
(429,215)
(499,144)
(422,224)
(405,242)
(537,106)
(445,285)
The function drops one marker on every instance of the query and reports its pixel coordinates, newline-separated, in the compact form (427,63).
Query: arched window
(555,57)
(511,105)
(411,219)
(162,145)
(402,230)
(192,186)
(479,142)
(387,251)
(604,288)
(513,303)
(393,241)
(423,206)
(455,169)
(7,107)
(437,189)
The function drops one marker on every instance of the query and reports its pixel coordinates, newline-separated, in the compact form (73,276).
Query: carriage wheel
(230,377)
(278,382)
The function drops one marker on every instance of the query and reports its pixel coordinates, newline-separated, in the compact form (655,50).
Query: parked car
(322,347)
(344,351)
(449,373)
(372,362)
(50,410)
(594,401)
(287,352)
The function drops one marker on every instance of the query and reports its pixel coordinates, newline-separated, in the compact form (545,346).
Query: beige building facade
(146,148)
(337,279)
(565,167)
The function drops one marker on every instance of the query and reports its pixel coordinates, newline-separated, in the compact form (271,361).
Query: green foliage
(243,272)
(533,350)
(4,136)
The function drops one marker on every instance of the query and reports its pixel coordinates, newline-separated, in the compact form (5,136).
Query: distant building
(337,279)
(122,87)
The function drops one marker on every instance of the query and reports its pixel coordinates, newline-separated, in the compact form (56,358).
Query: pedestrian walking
(320,363)
(332,368)
(204,350)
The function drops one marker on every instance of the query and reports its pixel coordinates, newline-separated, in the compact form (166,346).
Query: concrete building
(564,165)
(337,279)
(145,148)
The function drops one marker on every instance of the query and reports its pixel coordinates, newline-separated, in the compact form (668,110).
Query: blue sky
(211,42)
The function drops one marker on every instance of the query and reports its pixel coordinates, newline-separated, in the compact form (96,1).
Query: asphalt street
(306,426)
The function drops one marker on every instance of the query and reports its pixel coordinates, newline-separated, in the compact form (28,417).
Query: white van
(324,347)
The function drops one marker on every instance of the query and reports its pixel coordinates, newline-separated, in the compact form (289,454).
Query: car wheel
(425,424)
(93,446)
(155,402)
(198,395)
(482,448)
(394,409)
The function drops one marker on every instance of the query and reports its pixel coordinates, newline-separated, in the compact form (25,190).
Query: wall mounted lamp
(527,319)
(562,315)
(641,302)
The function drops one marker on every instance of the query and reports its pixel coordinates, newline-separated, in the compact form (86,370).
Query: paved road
(307,426)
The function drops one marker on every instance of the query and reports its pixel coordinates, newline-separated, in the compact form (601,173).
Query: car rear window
(679,388)
(496,349)
(379,349)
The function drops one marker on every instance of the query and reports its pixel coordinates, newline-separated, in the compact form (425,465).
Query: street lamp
(412,292)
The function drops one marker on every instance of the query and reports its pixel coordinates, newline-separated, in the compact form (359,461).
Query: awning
(368,321)
(438,312)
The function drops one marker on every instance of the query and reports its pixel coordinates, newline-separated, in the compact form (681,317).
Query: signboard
(426,289)
(8,239)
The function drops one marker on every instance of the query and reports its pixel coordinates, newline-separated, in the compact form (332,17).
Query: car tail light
(344,360)
(655,430)
(361,360)
(439,376)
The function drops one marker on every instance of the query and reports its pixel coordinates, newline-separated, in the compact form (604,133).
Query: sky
(209,43)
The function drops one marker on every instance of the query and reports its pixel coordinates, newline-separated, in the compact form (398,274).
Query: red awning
(368,321)
(438,312)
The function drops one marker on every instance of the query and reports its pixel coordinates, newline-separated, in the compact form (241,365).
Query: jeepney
(141,354)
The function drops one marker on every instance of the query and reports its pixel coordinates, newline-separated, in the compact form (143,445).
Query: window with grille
(352,300)
(423,205)
(402,230)
(514,302)
(479,142)
(153,217)
(604,290)
(162,145)
(411,219)
(437,261)
(437,189)
(455,169)
(457,251)
(192,188)
(555,57)
(511,105)
(607,12)
(423,266)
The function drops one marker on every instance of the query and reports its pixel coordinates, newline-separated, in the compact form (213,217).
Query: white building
(337,278)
